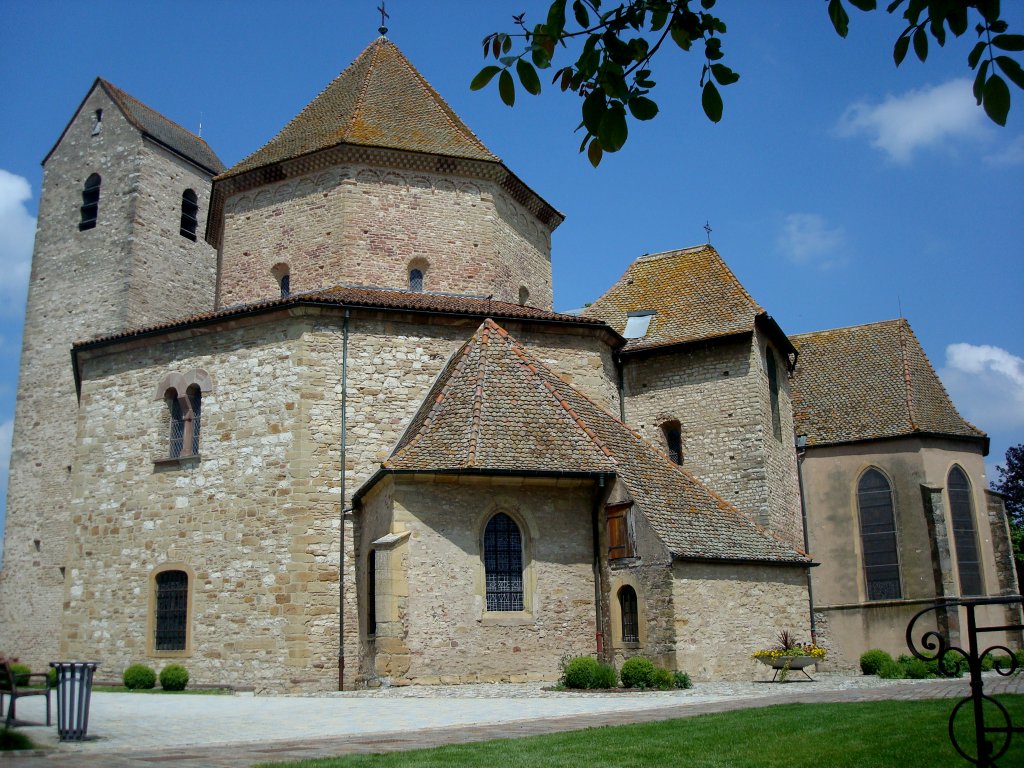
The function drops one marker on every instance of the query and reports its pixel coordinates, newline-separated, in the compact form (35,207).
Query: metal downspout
(800,451)
(341,503)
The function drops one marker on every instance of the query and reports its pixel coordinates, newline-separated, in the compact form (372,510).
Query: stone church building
(312,421)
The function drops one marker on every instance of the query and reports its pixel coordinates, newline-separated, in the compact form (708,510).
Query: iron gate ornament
(935,646)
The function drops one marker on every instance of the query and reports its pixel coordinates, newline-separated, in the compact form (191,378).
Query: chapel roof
(157,127)
(694,297)
(495,407)
(868,382)
(379,100)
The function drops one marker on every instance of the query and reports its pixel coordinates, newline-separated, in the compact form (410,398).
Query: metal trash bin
(74,690)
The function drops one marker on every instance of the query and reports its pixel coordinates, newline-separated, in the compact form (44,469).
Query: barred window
(171,611)
(962,513)
(630,618)
(286,286)
(416,280)
(189,214)
(773,393)
(673,440)
(878,537)
(90,202)
(503,564)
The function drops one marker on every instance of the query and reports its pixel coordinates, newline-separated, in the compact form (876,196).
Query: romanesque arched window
(673,434)
(170,622)
(184,421)
(176,426)
(878,536)
(630,616)
(90,202)
(416,280)
(503,564)
(195,402)
(961,510)
(773,392)
(189,214)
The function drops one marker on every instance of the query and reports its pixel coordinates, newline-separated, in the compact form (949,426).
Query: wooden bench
(15,685)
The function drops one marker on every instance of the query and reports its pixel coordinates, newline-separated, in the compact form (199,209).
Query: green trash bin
(74,690)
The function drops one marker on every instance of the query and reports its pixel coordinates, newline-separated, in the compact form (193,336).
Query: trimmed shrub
(891,669)
(871,662)
(606,676)
(662,680)
(955,665)
(682,680)
(638,672)
(987,664)
(51,676)
(586,672)
(139,676)
(21,673)
(916,669)
(173,677)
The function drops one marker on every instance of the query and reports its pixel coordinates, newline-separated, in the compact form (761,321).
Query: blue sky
(839,188)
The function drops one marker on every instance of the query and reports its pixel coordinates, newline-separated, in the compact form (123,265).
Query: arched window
(673,440)
(185,421)
(371,593)
(878,537)
(171,619)
(195,402)
(286,286)
(773,392)
(524,294)
(282,273)
(503,564)
(630,618)
(90,202)
(416,280)
(189,214)
(962,513)
(177,423)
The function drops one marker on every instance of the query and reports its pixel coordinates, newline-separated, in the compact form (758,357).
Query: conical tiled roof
(380,100)
(496,407)
(869,382)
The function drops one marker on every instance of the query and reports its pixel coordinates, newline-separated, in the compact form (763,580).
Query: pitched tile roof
(380,100)
(372,298)
(868,382)
(164,131)
(495,407)
(692,291)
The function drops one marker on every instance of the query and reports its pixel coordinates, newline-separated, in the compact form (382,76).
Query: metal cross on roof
(383,16)
(707,228)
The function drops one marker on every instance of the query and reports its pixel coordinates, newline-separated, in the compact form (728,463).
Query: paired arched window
(773,392)
(630,616)
(962,513)
(416,280)
(90,202)
(185,421)
(673,433)
(189,214)
(171,620)
(503,564)
(878,536)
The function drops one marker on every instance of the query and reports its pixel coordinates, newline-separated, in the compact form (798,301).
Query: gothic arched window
(171,620)
(90,202)
(878,537)
(503,564)
(961,511)
(630,617)
(189,214)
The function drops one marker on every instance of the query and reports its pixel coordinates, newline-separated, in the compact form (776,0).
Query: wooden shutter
(620,540)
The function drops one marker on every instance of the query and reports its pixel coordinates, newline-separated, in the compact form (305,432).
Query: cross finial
(383,16)
(707,228)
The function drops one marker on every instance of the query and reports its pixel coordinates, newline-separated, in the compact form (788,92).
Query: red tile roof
(869,382)
(496,407)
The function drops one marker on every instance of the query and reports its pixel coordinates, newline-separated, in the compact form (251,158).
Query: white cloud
(900,125)
(807,238)
(17,230)
(1011,154)
(987,385)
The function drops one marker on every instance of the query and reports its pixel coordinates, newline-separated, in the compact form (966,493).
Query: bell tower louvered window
(773,393)
(189,214)
(878,537)
(503,564)
(962,513)
(171,611)
(90,202)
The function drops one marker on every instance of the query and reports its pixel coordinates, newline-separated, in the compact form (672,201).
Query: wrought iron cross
(384,15)
(707,228)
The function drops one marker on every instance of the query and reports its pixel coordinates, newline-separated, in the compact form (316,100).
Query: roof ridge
(117,93)
(361,98)
(908,391)
(478,395)
(847,327)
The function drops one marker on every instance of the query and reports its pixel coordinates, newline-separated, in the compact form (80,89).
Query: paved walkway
(135,730)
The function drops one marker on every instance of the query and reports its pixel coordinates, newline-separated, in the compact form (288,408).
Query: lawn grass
(187,691)
(908,734)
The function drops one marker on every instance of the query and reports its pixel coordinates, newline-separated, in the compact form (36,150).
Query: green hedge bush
(173,677)
(139,676)
(954,665)
(586,672)
(638,672)
(662,680)
(21,673)
(871,662)
(682,680)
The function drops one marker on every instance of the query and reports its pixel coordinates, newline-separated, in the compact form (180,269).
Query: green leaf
(483,77)
(658,18)
(1011,69)
(979,81)
(957,20)
(996,99)
(613,129)
(507,88)
(713,49)
(528,76)
(711,100)
(1009,42)
(975,55)
(593,110)
(921,44)
(595,152)
(506,44)
(899,51)
(541,57)
(642,108)
(864,5)
(680,37)
(723,74)
(580,10)
(840,20)
(556,19)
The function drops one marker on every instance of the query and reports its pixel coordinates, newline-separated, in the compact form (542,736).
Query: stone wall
(357,225)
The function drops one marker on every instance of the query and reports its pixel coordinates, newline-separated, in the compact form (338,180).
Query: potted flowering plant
(789,654)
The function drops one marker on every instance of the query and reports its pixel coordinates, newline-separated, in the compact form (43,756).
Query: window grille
(878,537)
(416,280)
(673,440)
(630,618)
(773,392)
(189,214)
(620,538)
(90,202)
(503,564)
(177,424)
(962,513)
(171,610)
(286,286)
(195,401)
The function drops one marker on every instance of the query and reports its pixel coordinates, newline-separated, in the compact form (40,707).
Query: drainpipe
(603,489)
(341,504)
(622,388)
(801,450)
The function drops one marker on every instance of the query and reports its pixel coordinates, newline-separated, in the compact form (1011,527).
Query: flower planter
(780,663)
